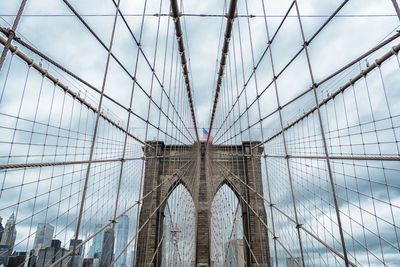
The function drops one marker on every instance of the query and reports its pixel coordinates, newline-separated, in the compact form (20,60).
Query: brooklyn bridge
(199,133)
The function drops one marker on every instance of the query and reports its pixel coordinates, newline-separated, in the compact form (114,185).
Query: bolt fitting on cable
(11,33)
(15,51)
(393,50)
(364,73)
(30,63)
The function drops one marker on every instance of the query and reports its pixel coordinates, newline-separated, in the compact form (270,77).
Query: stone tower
(235,166)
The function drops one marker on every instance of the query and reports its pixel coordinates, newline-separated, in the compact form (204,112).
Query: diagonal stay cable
(75,76)
(44,72)
(396,8)
(116,59)
(95,131)
(162,203)
(177,173)
(330,76)
(225,48)
(249,206)
(12,33)
(251,75)
(333,15)
(393,51)
(181,47)
(160,83)
(274,206)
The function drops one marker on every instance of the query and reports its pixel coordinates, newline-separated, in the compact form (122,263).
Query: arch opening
(227,238)
(179,239)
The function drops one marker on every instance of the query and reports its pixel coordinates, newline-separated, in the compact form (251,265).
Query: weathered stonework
(211,167)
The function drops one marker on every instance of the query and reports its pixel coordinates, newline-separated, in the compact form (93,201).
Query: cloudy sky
(363,120)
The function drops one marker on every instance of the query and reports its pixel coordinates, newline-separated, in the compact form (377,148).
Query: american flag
(205,135)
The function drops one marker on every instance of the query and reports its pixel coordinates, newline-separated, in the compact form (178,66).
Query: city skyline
(102,109)
(46,248)
(122,239)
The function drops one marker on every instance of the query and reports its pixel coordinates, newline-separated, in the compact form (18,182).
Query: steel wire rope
(176,173)
(264,224)
(140,229)
(334,14)
(7,44)
(251,16)
(149,105)
(184,63)
(245,82)
(226,103)
(285,215)
(4,31)
(347,66)
(133,77)
(161,83)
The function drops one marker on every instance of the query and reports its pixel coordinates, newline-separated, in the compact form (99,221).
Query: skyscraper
(9,233)
(51,254)
(17,259)
(1,228)
(78,253)
(122,239)
(7,240)
(107,248)
(4,249)
(235,253)
(44,235)
(291,263)
(95,249)
(133,258)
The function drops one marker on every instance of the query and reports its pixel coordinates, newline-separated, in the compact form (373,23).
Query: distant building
(1,228)
(91,262)
(107,248)
(78,253)
(4,253)
(122,239)
(133,258)
(17,259)
(95,249)
(7,240)
(33,255)
(44,235)
(49,255)
(291,263)
(235,253)
(10,233)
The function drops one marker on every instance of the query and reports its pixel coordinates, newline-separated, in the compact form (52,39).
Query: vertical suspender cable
(228,32)
(179,36)
(396,8)
(12,33)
